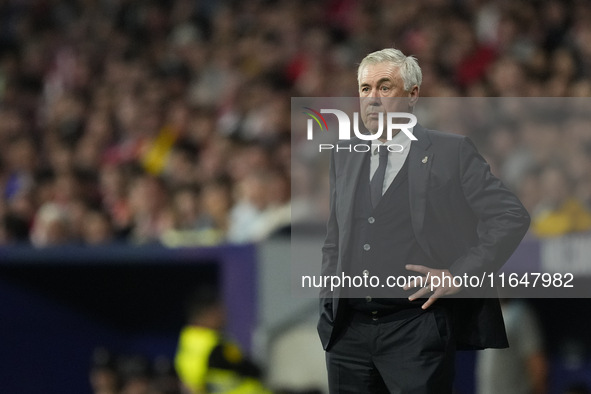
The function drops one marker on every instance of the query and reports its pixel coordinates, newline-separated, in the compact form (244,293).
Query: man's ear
(413,96)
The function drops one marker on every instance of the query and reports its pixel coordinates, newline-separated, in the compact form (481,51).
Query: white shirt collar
(399,139)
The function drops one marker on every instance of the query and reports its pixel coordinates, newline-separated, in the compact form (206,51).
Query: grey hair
(409,66)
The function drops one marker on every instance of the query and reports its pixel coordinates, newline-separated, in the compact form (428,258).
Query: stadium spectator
(97,229)
(205,361)
(559,213)
(216,204)
(523,367)
(103,373)
(248,212)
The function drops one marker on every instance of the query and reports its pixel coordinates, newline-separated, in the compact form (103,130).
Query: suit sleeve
(506,220)
(330,249)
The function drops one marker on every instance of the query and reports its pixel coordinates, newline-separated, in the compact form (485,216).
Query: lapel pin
(425,159)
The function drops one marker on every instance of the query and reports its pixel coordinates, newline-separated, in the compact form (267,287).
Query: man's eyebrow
(385,79)
(380,81)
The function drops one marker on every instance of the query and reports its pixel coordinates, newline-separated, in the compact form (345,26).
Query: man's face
(381,90)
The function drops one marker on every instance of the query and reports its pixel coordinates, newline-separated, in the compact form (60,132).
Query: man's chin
(371,126)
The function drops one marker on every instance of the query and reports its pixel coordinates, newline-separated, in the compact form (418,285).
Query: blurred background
(145,153)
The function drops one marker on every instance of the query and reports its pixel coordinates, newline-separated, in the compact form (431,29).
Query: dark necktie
(377,181)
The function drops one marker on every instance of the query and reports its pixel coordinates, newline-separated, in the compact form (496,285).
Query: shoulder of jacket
(448,142)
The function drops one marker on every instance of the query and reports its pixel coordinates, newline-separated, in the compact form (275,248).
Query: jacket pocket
(440,323)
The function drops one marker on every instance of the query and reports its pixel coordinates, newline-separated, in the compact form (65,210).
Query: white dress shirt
(395,159)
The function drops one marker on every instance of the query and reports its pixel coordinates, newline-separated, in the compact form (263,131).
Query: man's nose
(374,99)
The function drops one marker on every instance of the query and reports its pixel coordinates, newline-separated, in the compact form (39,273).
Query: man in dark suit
(414,209)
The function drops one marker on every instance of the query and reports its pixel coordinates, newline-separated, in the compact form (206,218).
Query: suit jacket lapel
(420,159)
(353,166)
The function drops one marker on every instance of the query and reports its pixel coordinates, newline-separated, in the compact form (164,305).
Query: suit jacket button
(371,220)
(365,273)
(366,247)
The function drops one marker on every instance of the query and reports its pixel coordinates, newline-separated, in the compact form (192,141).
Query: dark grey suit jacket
(451,193)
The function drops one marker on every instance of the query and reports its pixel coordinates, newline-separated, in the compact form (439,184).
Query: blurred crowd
(169,121)
(132,374)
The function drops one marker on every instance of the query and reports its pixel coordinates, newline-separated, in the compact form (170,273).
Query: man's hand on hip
(445,287)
